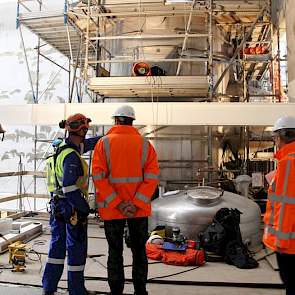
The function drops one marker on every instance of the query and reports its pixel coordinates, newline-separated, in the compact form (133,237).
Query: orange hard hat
(77,122)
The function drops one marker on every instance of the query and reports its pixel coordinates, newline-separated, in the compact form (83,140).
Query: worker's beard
(80,133)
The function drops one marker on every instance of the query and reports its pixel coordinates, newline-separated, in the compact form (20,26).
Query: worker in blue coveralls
(67,181)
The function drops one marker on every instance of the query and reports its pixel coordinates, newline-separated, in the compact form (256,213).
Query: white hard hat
(156,239)
(285,122)
(125,111)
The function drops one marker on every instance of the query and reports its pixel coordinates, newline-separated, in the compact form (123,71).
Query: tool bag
(184,258)
(213,239)
(223,237)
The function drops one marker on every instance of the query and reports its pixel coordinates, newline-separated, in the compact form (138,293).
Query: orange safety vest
(124,167)
(279,219)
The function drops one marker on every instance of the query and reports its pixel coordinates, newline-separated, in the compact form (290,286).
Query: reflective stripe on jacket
(82,182)
(279,219)
(124,167)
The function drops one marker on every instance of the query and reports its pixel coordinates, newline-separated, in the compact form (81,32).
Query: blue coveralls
(66,237)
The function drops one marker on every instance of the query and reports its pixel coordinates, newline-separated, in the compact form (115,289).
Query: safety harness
(57,190)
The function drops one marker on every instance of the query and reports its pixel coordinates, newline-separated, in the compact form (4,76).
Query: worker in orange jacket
(125,173)
(279,219)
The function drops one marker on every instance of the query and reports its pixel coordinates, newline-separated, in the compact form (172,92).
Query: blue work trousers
(72,239)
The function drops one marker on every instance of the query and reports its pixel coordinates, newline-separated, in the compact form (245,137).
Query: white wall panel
(249,114)
(16,114)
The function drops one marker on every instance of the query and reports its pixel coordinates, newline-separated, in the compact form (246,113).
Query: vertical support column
(247,146)
(210,156)
(290,25)
(211,84)
(27,64)
(245,84)
(71,59)
(210,43)
(187,30)
(279,64)
(87,41)
(272,63)
(98,51)
(36,101)
(74,72)
(35,164)
(20,184)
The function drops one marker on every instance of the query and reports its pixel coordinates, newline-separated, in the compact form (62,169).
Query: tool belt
(56,212)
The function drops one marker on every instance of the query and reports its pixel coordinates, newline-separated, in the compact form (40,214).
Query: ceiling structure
(101,37)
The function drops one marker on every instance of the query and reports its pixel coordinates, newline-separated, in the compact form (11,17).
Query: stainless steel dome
(192,210)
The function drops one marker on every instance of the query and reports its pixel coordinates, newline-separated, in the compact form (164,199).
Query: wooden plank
(146,86)
(36,196)
(36,173)
(23,173)
(7,174)
(4,199)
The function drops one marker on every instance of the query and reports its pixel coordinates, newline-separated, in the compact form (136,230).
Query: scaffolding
(102,40)
(86,31)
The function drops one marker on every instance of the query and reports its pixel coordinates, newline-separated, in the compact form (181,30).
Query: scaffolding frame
(89,57)
(86,22)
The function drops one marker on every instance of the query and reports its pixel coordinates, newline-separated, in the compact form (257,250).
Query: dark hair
(62,124)
(123,121)
(287,135)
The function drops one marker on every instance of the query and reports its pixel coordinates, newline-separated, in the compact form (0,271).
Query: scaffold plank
(163,86)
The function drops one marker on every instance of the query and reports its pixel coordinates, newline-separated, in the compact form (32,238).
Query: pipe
(148,37)
(195,59)
(238,49)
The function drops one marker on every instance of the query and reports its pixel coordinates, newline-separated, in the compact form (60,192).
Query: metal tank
(192,210)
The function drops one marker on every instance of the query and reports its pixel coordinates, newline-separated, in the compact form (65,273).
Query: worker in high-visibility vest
(125,172)
(67,182)
(279,219)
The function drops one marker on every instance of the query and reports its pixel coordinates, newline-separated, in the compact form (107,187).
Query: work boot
(238,255)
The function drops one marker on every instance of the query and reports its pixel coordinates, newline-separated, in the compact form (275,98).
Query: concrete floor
(189,283)
(10,289)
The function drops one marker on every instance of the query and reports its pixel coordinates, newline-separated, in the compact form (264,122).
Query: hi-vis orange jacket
(279,219)
(124,167)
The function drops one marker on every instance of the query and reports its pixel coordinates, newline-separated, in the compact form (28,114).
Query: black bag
(236,252)
(213,239)
(223,237)
(157,71)
(230,220)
